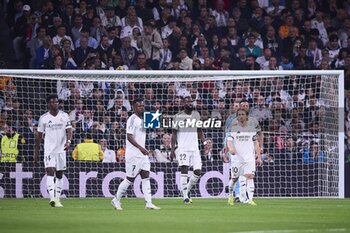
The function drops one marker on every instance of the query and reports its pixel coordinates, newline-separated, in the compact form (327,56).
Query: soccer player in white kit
(243,144)
(253,122)
(57,130)
(136,158)
(187,151)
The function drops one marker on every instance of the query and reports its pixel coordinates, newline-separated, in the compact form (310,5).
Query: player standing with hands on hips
(136,158)
(57,130)
(187,152)
(243,144)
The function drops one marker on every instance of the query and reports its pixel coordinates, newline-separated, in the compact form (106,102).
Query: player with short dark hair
(136,158)
(56,127)
(187,151)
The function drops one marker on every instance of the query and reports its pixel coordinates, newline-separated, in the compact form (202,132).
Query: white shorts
(189,158)
(57,160)
(134,165)
(242,168)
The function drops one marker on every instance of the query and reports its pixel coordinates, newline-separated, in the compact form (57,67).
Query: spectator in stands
(27,130)
(286,63)
(97,30)
(208,154)
(58,63)
(61,34)
(109,156)
(83,52)
(20,33)
(272,41)
(127,52)
(151,45)
(174,40)
(130,21)
(110,19)
(165,55)
(104,50)
(77,27)
(290,154)
(263,60)
(251,48)
(251,64)
(121,155)
(167,30)
(162,153)
(35,43)
(261,112)
(115,136)
(313,154)
(68,16)
(116,110)
(68,55)
(141,63)
(239,62)
(143,11)
(136,38)
(92,42)
(44,53)
(113,38)
(88,150)
(186,62)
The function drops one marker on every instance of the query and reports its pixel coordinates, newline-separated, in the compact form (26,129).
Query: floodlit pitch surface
(203,216)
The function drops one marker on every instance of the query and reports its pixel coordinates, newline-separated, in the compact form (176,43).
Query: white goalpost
(301,114)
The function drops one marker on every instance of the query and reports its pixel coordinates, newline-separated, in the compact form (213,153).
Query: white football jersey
(134,126)
(243,142)
(187,138)
(54,130)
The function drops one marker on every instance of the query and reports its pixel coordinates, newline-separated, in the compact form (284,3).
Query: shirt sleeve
(41,126)
(68,121)
(257,125)
(176,119)
(130,126)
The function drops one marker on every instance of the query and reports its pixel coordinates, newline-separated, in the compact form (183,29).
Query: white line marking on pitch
(294,231)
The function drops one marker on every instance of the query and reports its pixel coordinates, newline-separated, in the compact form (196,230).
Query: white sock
(58,188)
(183,183)
(193,181)
(50,184)
(146,189)
(250,189)
(243,189)
(123,187)
(230,187)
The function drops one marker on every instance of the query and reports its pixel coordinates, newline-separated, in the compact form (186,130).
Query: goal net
(300,114)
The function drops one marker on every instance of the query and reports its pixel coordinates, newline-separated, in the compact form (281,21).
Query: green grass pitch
(203,216)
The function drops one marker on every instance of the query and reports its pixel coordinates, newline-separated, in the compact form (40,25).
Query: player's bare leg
(50,184)
(146,189)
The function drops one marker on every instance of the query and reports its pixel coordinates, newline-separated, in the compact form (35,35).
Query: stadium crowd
(178,35)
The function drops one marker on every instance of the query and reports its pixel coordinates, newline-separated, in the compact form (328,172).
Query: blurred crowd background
(176,35)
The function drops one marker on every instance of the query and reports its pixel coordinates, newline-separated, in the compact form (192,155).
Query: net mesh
(298,115)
